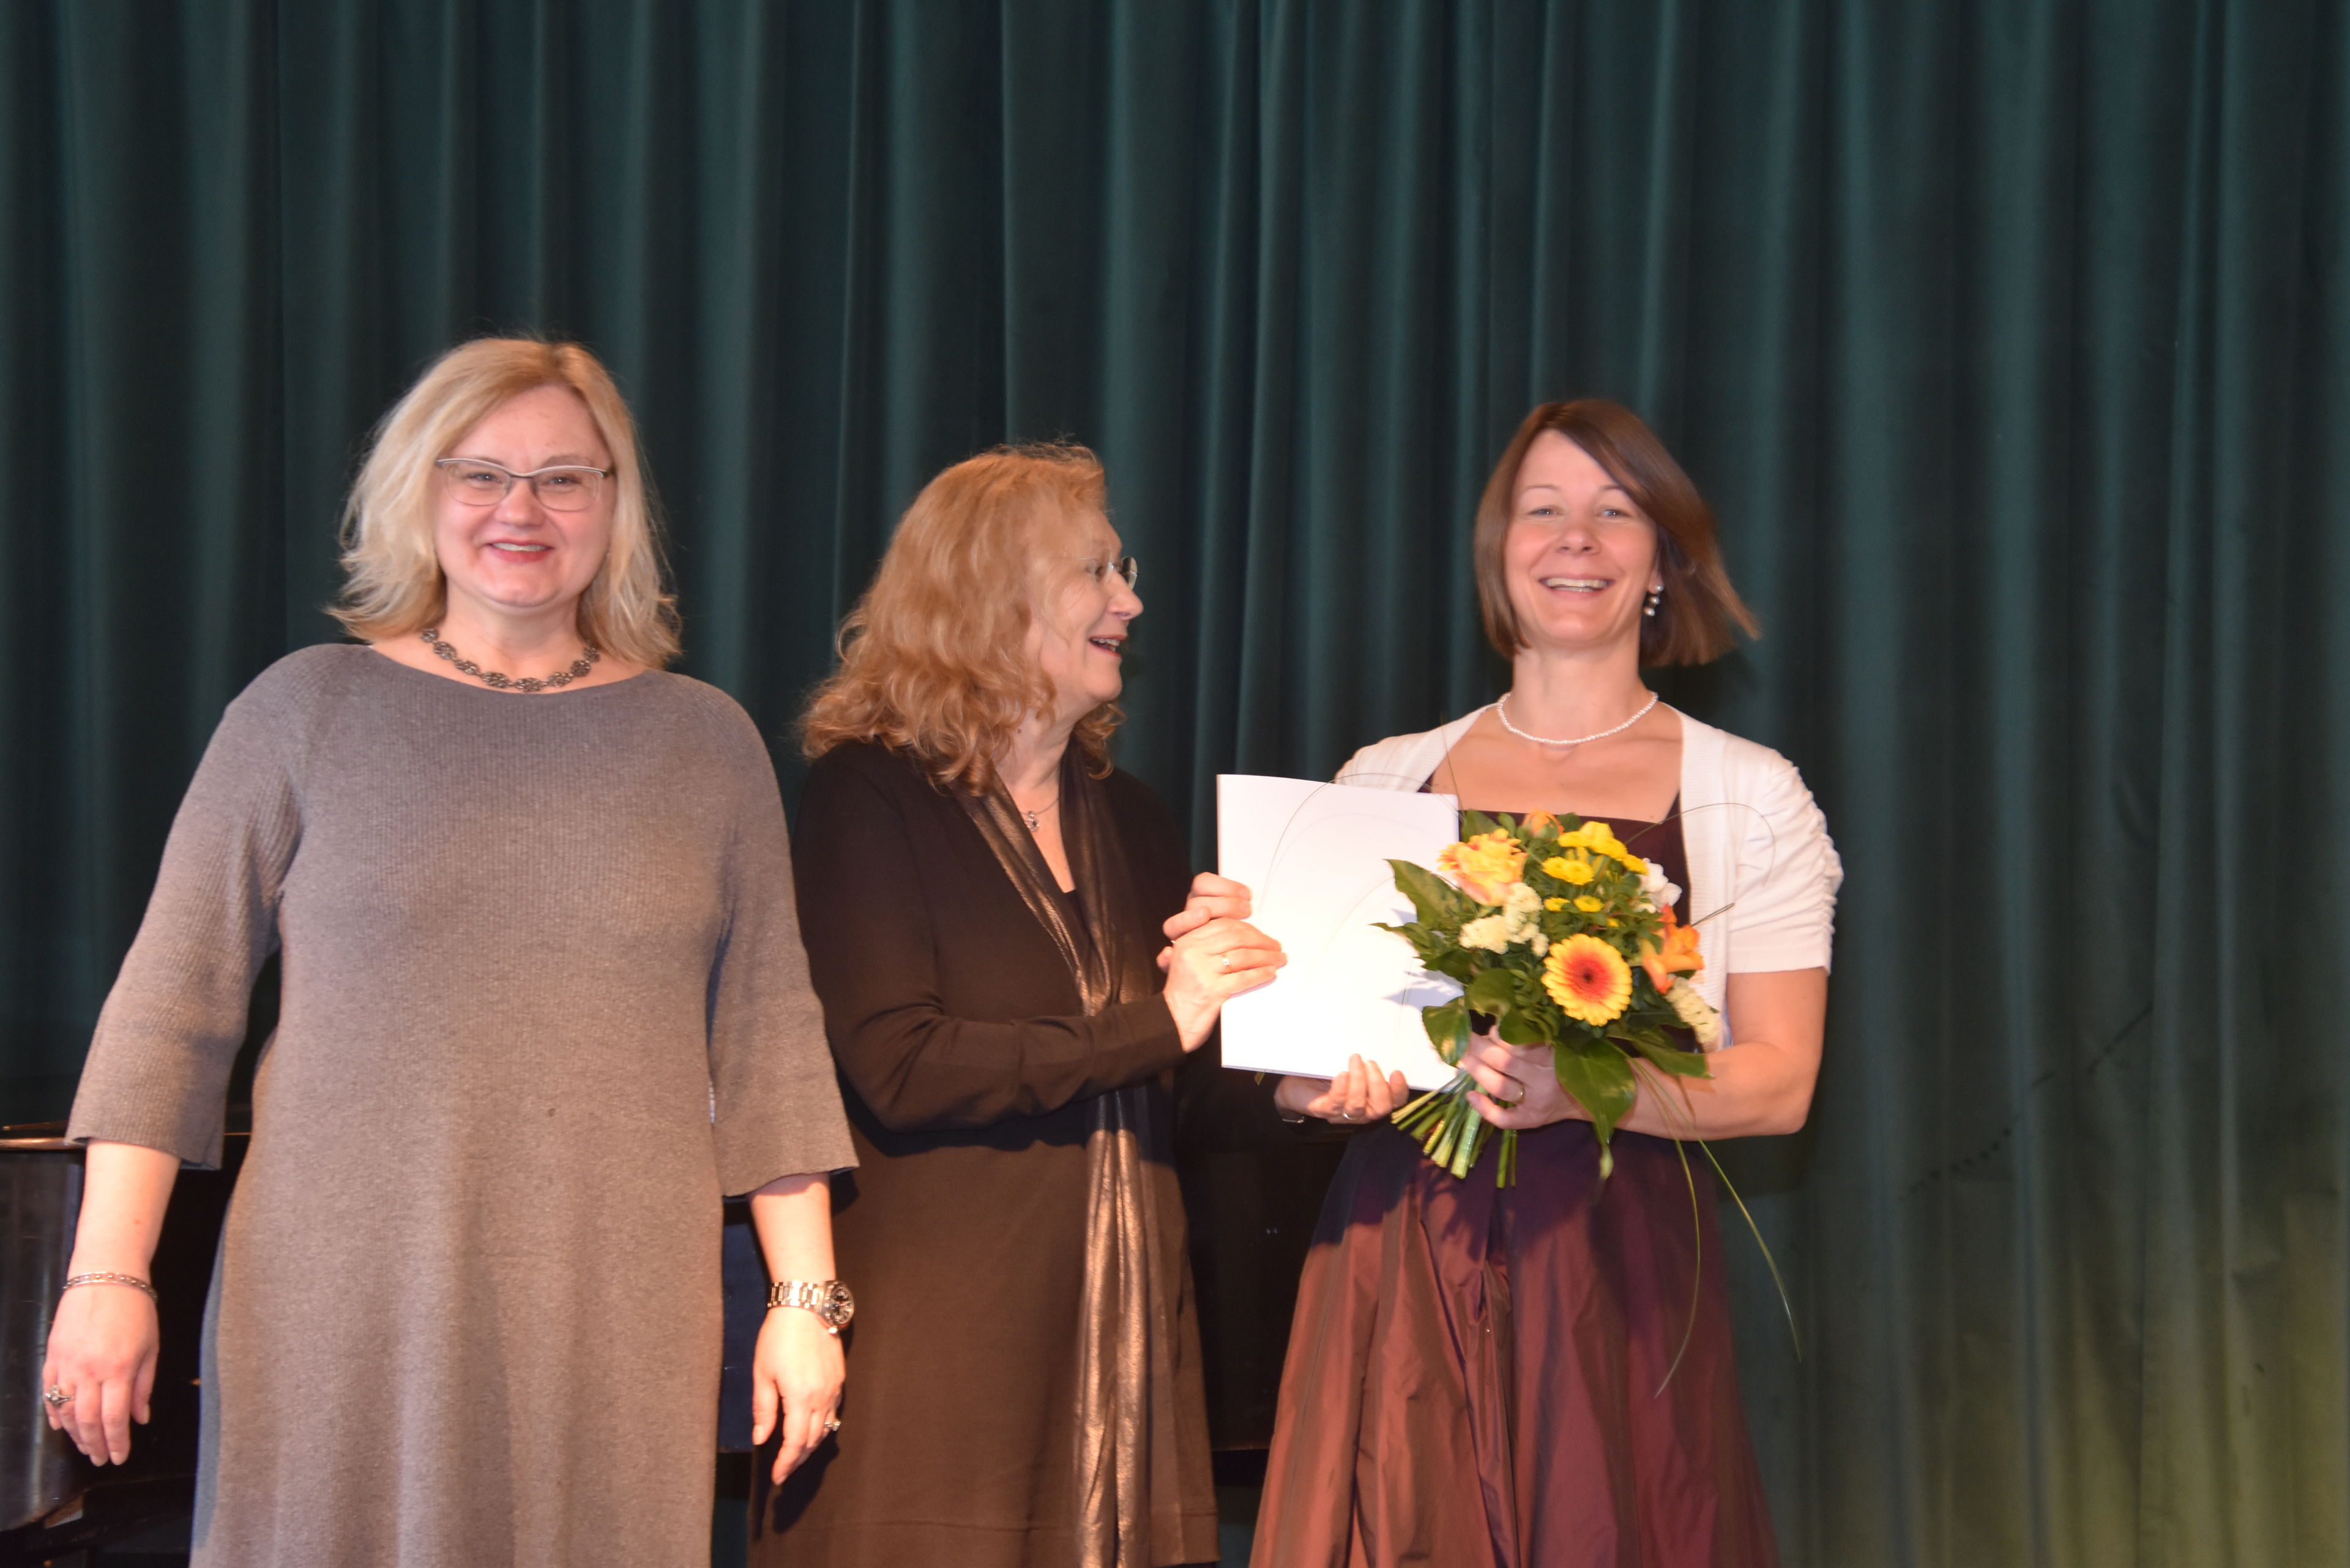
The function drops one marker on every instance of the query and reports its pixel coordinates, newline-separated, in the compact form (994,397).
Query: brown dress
(1477,1376)
(1023,1371)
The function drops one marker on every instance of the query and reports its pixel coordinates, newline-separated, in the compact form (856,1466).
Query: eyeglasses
(1101,571)
(478,482)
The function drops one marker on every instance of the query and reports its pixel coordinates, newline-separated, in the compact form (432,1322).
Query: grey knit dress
(544,1004)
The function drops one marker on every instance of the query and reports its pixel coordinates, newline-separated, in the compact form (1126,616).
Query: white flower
(1540,943)
(1491,932)
(1661,893)
(1522,904)
(1696,1012)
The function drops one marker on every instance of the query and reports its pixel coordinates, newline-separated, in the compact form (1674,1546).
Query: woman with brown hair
(1511,1377)
(989,909)
(543,1005)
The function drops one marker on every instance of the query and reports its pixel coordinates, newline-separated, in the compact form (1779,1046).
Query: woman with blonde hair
(989,908)
(543,1005)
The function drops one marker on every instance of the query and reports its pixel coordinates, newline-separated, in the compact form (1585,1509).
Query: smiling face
(1079,614)
(517,558)
(1579,557)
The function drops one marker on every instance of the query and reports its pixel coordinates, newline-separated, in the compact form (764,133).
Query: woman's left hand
(1212,898)
(1520,1087)
(796,1373)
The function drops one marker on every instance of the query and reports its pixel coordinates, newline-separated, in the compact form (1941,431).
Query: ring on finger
(831,1425)
(58,1399)
(1224,960)
(1510,1105)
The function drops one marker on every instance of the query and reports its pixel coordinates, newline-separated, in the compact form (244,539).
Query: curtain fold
(2009,340)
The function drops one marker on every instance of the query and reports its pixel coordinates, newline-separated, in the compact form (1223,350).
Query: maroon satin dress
(1477,1376)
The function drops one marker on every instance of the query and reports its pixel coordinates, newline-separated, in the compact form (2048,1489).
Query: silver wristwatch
(828,1299)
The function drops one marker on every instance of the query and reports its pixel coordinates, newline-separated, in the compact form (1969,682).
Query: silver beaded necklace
(1502,713)
(504,682)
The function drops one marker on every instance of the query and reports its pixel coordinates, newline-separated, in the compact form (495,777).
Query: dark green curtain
(2009,337)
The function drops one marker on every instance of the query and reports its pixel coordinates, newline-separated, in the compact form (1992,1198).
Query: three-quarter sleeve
(775,1104)
(873,937)
(1787,877)
(167,1037)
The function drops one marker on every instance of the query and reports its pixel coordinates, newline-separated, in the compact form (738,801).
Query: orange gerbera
(1484,866)
(1679,955)
(1589,980)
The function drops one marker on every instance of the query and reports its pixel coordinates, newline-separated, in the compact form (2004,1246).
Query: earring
(1654,595)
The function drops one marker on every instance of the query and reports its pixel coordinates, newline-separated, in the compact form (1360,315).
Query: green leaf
(1454,963)
(1448,1029)
(1429,945)
(1521,1027)
(1599,1078)
(1663,1055)
(1496,990)
(1473,822)
(1435,901)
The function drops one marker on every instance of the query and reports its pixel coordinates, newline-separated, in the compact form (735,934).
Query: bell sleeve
(774,1103)
(158,1070)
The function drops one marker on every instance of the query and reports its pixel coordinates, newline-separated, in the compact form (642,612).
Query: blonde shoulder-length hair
(392,583)
(934,660)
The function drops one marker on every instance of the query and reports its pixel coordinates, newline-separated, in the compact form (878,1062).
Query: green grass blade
(1785,1303)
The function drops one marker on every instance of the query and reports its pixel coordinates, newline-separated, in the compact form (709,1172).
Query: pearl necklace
(1502,713)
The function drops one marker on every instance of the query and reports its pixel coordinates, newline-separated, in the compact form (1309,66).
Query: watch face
(838,1306)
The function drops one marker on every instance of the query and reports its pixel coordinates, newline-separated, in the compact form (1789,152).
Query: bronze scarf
(1126,1375)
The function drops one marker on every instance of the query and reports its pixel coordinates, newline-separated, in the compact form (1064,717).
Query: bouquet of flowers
(1564,938)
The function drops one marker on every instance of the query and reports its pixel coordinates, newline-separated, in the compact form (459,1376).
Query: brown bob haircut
(1700,613)
(934,659)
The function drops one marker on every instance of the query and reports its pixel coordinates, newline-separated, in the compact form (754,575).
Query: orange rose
(1485,866)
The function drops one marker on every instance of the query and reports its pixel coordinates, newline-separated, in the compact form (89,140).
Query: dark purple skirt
(1478,1377)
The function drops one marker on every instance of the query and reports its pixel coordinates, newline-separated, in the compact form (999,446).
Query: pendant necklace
(1502,713)
(579,667)
(1032,816)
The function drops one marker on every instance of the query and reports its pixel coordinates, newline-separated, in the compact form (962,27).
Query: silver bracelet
(132,1279)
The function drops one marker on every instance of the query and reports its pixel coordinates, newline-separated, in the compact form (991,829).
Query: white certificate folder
(1315,856)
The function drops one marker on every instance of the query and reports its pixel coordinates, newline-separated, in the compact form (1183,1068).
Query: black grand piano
(55,1505)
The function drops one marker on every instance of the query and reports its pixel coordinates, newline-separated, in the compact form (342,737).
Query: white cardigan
(1763,876)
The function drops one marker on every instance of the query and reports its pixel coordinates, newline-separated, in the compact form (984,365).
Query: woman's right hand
(1209,964)
(1359,1095)
(102,1348)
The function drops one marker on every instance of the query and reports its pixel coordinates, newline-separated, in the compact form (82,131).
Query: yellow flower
(1573,869)
(1484,867)
(1600,839)
(1553,905)
(1589,905)
(1589,980)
